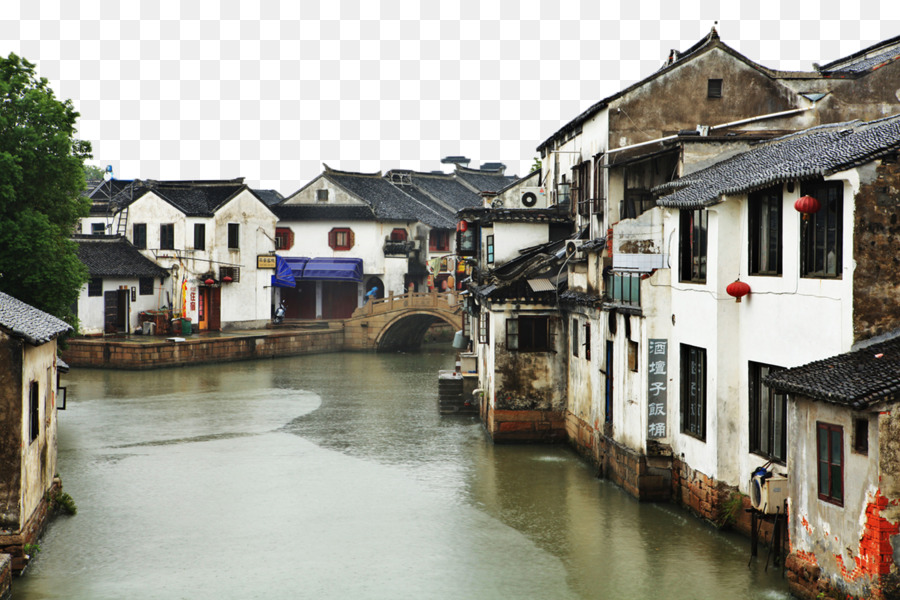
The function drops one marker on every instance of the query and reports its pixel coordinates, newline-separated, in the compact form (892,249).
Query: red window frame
(341,238)
(439,240)
(398,234)
(284,238)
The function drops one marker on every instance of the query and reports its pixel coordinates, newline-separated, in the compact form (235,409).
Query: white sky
(270,90)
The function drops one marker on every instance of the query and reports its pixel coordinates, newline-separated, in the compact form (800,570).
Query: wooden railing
(446,300)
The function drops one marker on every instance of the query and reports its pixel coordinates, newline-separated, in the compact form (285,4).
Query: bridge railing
(409,300)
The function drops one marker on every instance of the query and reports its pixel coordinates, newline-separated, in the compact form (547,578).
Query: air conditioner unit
(573,247)
(532,197)
(768,493)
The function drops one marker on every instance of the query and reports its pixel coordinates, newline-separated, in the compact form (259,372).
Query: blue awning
(284,275)
(296,265)
(334,269)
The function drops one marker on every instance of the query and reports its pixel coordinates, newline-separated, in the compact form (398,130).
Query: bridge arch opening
(407,333)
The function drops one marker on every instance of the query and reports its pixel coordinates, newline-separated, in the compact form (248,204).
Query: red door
(214,309)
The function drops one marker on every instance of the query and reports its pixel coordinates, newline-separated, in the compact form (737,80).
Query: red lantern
(807,205)
(463,226)
(209,281)
(737,289)
(227,279)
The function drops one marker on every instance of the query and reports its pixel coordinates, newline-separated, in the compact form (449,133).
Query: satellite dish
(497,203)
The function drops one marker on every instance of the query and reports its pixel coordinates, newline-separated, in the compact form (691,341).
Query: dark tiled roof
(580,299)
(811,153)
(269,197)
(387,201)
(25,321)
(323,212)
(856,379)
(114,256)
(510,280)
(487,216)
(199,198)
(866,59)
(484,181)
(446,189)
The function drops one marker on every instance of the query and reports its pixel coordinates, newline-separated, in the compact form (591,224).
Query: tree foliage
(41,185)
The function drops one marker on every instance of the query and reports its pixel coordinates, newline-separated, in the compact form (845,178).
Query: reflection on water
(334,477)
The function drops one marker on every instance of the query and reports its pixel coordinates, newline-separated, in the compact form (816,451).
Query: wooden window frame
(818,227)
(693,391)
(527,333)
(341,238)
(574,337)
(587,341)
(764,224)
(139,236)
(693,238)
(484,330)
(715,88)
(145,286)
(284,238)
(34,411)
(199,236)
(829,429)
(167,236)
(765,404)
(399,234)
(234,236)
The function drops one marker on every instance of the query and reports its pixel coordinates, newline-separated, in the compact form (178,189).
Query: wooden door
(110,311)
(215,309)
(202,312)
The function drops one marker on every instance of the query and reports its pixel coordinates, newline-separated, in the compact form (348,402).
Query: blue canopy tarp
(284,275)
(296,265)
(334,269)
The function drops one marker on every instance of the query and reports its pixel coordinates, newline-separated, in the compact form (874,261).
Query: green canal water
(333,476)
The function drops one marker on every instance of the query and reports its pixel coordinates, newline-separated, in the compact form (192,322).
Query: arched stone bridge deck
(400,322)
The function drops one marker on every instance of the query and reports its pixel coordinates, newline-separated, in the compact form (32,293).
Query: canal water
(333,476)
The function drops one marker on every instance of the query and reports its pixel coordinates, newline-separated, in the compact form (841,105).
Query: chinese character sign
(657,363)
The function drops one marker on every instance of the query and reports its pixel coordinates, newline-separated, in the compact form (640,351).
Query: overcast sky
(271,90)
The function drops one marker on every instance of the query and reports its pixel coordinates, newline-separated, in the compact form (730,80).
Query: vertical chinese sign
(656,382)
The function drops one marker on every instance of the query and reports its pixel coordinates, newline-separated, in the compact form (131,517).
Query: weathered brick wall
(14,544)
(102,353)
(695,491)
(525,425)
(876,237)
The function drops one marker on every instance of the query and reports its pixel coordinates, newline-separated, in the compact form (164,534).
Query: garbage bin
(185,326)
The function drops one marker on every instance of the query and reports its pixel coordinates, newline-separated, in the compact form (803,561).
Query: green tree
(41,185)
(92,172)
(536,165)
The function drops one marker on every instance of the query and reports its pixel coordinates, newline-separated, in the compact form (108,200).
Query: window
(199,236)
(693,391)
(490,249)
(95,286)
(574,337)
(768,412)
(692,245)
(764,225)
(467,239)
(830,451)
(861,435)
(34,411)
(233,272)
(484,322)
(340,238)
(234,236)
(581,178)
(624,287)
(167,236)
(322,195)
(139,235)
(98,228)
(146,286)
(398,235)
(529,334)
(714,88)
(587,341)
(439,240)
(821,236)
(284,238)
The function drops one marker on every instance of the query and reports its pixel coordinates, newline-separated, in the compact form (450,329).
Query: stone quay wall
(113,353)
(13,544)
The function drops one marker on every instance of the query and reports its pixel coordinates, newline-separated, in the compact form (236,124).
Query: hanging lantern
(227,279)
(737,289)
(463,226)
(807,205)
(209,281)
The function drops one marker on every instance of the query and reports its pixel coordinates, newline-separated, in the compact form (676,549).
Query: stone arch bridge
(400,322)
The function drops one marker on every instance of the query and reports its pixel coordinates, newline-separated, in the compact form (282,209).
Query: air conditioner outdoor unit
(768,493)
(573,247)
(533,197)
